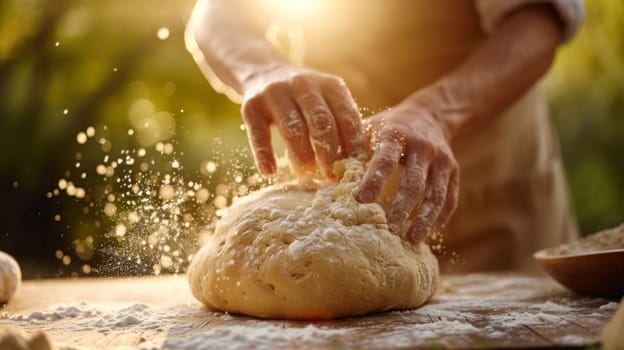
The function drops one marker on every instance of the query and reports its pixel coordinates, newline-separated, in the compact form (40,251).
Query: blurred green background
(116,65)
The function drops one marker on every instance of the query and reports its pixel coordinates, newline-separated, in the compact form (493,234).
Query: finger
(432,204)
(411,191)
(292,127)
(384,162)
(322,129)
(450,204)
(347,119)
(259,135)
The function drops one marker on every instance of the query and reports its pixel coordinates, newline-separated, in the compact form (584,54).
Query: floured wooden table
(471,311)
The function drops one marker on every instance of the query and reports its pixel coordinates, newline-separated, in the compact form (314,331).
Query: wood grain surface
(469,311)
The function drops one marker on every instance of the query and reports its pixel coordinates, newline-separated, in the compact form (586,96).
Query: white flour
(232,333)
(59,312)
(111,316)
(234,337)
(612,306)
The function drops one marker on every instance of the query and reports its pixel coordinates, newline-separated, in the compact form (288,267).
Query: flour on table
(105,317)
(59,312)
(99,316)
(234,337)
(311,251)
(491,316)
(610,306)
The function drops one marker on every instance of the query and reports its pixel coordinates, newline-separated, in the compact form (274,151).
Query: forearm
(501,69)
(228,46)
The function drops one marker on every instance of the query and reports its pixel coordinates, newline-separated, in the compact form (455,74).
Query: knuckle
(427,212)
(373,181)
(423,147)
(390,146)
(385,163)
(437,195)
(413,185)
(335,81)
(348,110)
(356,144)
(301,81)
(292,126)
(442,162)
(261,150)
(394,132)
(320,121)
(327,153)
(309,98)
(447,160)
(275,88)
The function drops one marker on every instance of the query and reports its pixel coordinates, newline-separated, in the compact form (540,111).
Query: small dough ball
(15,339)
(10,277)
(311,251)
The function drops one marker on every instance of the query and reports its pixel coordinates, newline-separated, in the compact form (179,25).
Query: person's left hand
(412,135)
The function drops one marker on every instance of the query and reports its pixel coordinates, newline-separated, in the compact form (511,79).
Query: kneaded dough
(10,277)
(310,251)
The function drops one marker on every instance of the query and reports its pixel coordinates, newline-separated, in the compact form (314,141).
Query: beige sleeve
(571,13)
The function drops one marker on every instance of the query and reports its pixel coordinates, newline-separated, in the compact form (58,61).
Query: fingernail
(367,196)
(267,168)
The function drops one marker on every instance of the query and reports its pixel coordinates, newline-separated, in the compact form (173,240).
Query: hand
(313,111)
(428,189)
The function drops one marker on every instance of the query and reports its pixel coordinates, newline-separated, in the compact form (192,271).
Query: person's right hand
(314,112)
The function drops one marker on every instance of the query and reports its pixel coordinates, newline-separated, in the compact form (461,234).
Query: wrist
(444,102)
(252,75)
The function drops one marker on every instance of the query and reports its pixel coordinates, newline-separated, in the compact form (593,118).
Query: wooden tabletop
(469,311)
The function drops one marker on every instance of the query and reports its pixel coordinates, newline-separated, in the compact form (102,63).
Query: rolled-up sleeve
(571,13)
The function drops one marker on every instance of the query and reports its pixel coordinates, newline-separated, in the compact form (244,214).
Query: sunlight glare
(300,5)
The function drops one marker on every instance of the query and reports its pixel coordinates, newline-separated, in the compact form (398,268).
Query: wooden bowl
(598,273)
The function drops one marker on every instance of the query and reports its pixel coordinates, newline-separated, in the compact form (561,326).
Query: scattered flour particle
(611,306)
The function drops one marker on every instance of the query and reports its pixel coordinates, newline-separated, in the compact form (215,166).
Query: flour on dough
(311,251)
(10,277)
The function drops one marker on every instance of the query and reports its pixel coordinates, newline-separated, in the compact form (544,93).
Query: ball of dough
(10,277)
(310,251)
